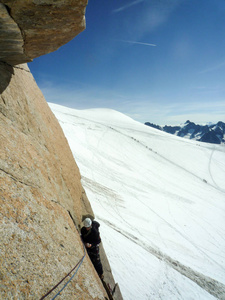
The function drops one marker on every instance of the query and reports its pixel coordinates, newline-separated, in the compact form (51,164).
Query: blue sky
(160,61)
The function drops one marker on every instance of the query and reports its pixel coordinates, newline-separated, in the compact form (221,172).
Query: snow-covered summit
(103,115)
(160,201)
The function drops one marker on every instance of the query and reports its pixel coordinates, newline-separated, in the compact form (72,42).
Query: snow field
(160,200)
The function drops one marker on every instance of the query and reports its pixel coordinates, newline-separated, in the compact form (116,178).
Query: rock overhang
(33,28)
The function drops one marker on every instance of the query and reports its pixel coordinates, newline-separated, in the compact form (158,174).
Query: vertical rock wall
(41,197)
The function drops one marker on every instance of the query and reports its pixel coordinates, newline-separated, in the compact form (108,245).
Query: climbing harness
(75,268)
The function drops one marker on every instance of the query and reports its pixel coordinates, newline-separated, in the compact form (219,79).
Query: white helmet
(87,222)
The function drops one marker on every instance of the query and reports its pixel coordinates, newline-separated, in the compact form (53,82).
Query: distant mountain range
(213,133)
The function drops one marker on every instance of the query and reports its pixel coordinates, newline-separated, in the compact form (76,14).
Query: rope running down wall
(77,266)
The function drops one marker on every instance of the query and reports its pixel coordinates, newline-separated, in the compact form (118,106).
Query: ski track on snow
(138,200)
(210,285)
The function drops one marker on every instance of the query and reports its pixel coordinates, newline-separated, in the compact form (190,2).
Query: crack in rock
(16,179)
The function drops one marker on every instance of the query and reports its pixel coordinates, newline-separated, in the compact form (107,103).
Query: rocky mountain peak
(213,133)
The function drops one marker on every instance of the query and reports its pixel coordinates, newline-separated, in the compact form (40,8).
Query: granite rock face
(33,28)
(41,198)
(11,39)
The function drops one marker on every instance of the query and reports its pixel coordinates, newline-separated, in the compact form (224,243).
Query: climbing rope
(77,266)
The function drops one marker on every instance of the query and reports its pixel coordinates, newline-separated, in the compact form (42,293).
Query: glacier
(160,200)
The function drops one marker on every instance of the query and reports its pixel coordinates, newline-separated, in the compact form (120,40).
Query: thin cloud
(127,6)
(141,107)
(139,43)
(172,113)
(213,68)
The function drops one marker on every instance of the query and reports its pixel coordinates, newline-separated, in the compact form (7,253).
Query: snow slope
(160,200)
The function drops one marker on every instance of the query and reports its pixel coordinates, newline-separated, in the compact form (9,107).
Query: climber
(91,238)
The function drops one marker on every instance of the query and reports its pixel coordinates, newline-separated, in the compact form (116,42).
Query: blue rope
(71,277)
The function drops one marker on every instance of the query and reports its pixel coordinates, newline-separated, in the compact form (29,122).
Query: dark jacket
(91,236)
